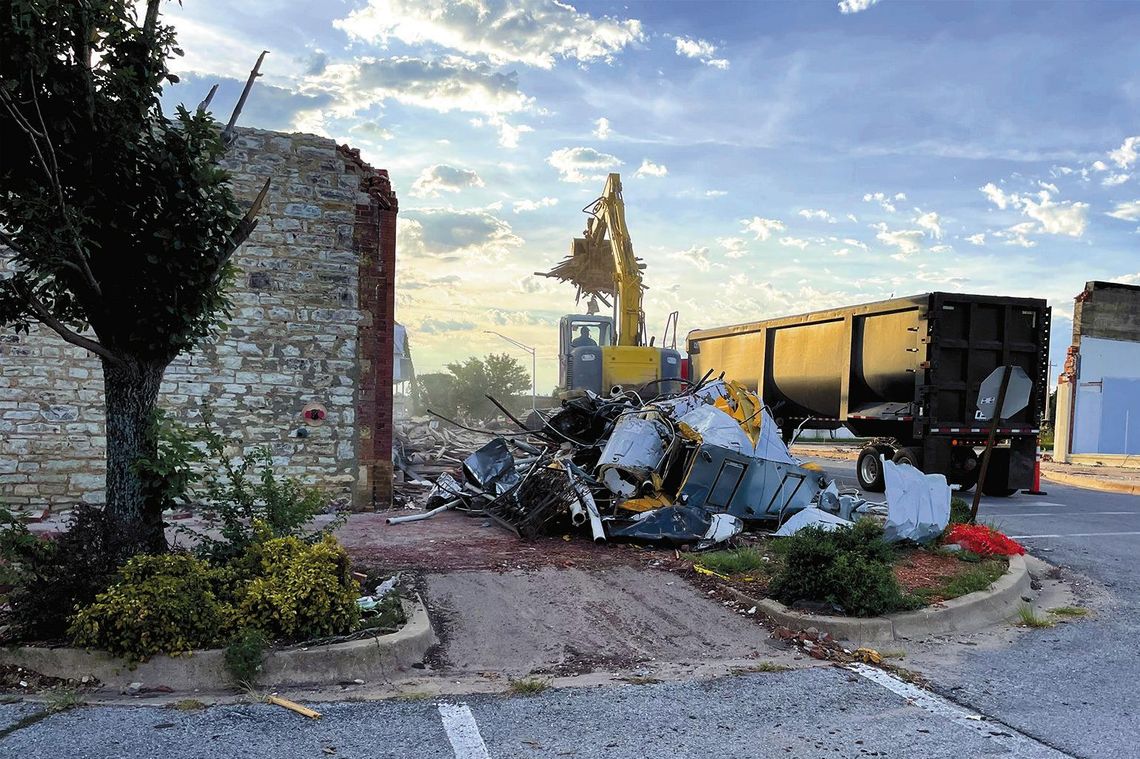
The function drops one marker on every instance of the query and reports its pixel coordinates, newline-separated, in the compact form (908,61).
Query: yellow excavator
(592,354)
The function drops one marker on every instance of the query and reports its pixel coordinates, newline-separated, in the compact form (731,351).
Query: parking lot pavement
(805,713)
(1073,685)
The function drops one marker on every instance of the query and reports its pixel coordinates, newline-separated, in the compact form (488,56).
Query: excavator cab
(590,359)
(580,342)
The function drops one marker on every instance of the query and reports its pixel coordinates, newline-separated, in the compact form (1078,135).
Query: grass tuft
(763,666)
(1069,611)
(641,680)
(1029,617)
(731,562)
(188,705)
(527,686)
(61,699)
(893,653)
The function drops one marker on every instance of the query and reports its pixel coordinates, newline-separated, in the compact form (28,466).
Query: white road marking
(1076,535)
(1018,744)
(459,723)
(1014,515)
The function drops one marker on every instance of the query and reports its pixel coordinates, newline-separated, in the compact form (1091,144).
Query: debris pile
(692,468)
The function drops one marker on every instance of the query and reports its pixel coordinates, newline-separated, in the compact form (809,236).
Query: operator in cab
(583,340)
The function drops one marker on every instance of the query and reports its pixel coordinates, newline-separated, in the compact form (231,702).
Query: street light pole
(533,364)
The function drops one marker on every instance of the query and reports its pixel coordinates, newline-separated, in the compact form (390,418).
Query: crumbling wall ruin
(313,315)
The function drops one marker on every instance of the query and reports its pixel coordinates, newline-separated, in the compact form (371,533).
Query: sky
(776,158)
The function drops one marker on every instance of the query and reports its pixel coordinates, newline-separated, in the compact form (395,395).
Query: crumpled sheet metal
(811,517)
(676,525)
(492,468)
(918,505)
(632,453)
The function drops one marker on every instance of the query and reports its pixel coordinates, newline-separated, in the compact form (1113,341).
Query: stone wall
(312,323)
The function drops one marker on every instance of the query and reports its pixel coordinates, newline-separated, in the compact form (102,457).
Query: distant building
(1098,393)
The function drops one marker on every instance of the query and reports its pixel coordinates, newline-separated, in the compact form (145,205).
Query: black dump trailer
(904,372)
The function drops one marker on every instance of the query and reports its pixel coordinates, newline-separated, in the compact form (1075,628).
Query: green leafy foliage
(850,567)
(497,374)
(434,391)
(160,604)
(730,562)
(169,473)
(245,656)
(51,578)
(959,511)
(298,590)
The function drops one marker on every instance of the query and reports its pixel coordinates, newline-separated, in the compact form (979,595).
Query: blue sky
(776,158)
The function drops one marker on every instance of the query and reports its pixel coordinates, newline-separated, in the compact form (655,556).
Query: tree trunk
(131,390)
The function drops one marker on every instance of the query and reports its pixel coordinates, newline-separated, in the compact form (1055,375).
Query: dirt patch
(15,679)
(454,541)
(924,569)
(572,621)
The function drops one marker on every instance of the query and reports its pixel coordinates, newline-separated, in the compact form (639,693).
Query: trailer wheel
(869,470)
(963,469)
(909,455)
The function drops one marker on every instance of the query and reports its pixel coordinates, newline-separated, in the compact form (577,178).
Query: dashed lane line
(462,732)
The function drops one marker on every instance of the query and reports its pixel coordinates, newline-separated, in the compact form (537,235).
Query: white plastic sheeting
(918,505)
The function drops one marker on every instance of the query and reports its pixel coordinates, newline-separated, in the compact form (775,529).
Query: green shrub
(245,655)
(160,604)
(299,591)
(246,495)
(850,567)
(729,562)
(50,579)
(959,511)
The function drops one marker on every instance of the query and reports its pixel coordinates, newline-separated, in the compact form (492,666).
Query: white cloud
(445,84)
(842,251)
(698,256)
(602,128)
(531,32)
(1127,153)
(1126,211)
(443,178)
(734,247)
(715,193)
(1112,180)
(978,239)
(817,213)
(900,196)
(930,222)
(853,217)
(650,169)
(702,50)
(533,205)
(451,235)
(1067,217)
(941,249)
(762,228)
(1127,279)
(1048,186)
(582,164)
(855,243)
(1016,235)
(883,200)
(906,240)
(1100,166)
(508,133)
(855,6)
(995,195)
(794,242)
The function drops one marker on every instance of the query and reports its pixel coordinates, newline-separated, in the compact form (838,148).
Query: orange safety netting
(983,540)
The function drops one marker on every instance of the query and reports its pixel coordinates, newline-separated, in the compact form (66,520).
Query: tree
(435,391)
(497,374)
(119,223)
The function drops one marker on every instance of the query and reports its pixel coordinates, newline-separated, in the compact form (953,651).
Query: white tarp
(918,505)
(811,517)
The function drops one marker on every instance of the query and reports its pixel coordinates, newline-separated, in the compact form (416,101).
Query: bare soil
(569,621)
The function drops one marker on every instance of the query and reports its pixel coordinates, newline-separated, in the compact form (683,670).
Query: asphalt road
(1065,691)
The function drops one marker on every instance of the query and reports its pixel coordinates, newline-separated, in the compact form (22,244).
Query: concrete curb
(1091,483)
(370,659)
(968,613)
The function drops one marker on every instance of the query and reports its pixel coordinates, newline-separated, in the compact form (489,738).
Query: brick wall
(312,323)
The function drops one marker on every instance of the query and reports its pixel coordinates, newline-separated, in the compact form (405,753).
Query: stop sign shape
(1016,394)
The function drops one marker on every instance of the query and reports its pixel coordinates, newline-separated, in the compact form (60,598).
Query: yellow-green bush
(299,591)
(160,604)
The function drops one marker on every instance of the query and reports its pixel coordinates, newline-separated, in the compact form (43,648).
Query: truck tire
(909,455)
(869,470)
(964,466)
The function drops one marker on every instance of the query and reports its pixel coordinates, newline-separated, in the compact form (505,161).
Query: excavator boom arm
(609,214)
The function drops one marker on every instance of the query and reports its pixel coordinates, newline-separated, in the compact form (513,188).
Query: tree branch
(151,22)
(45,317)
(228,132)
(209,96)
(243,230)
